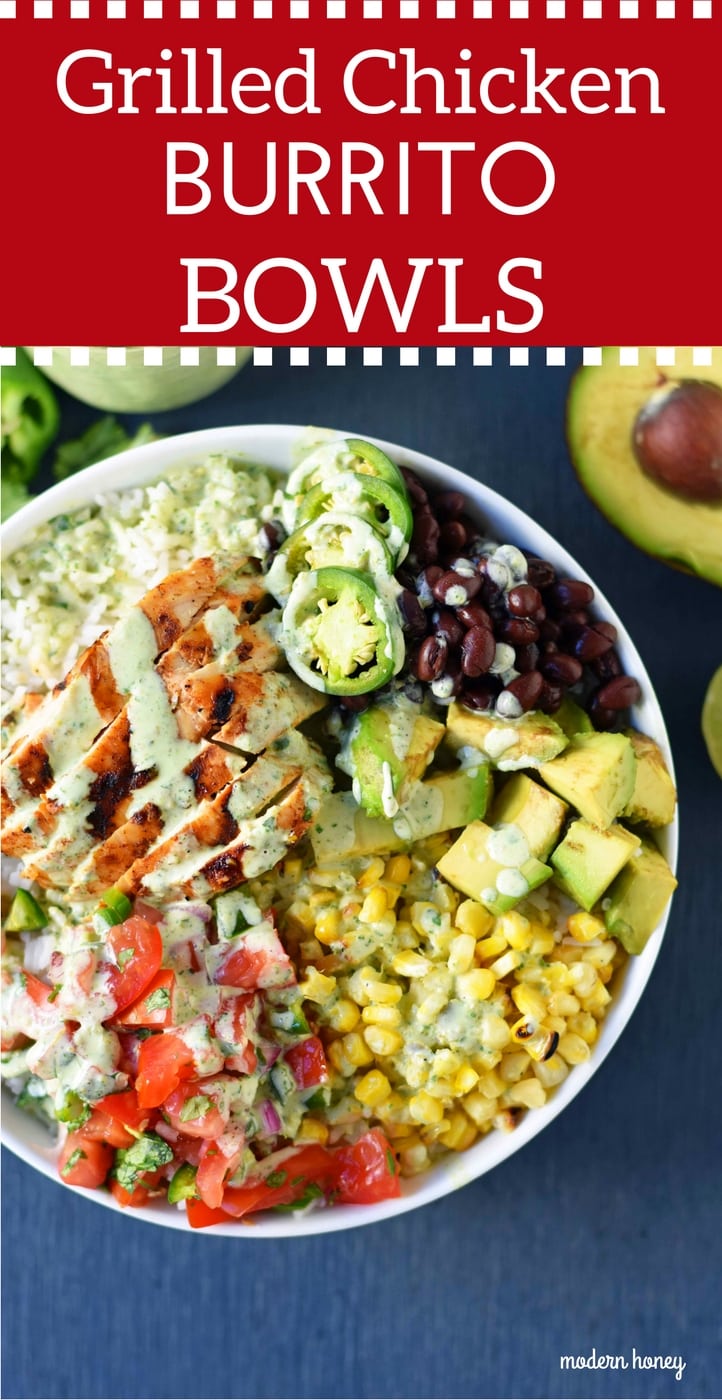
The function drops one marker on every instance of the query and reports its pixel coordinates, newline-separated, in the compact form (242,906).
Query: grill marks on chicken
(138,760)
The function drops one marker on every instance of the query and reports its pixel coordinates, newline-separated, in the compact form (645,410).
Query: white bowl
(272,445)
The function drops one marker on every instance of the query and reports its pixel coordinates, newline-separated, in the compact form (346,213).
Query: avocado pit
(677,438)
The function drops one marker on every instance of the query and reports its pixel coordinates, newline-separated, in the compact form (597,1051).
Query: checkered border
(355,9)
(373,356)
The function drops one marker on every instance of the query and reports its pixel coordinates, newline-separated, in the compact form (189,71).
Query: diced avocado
(389,749)
(639,897)
(589,858)
(507,743)
(532,807)
(471,868)
(25,914)
(572,718)
(654,797)
(595,774)
(342,829)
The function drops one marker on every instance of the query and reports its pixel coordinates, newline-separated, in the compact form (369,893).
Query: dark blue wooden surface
(603,1233)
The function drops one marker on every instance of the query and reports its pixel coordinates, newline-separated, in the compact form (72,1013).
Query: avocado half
(603,403)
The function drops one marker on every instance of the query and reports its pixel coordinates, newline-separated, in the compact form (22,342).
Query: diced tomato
(129,1052)
(214,1169)
(124,1108)
(84,1161)
(307,1062)
(159,1014)
(102,1128)
(232,1027)
(200,1215)
(148,912)
(163,1061)
(256,964)
(366,1170)
(310,1166)
(140,1193)
(37,991)
(209,1123)
(137,949)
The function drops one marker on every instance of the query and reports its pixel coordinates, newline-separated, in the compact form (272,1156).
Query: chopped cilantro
(196,1107)
(276,1178)
(124,957)
(311,1193)
(77,1156)
(56,989)
(391,1164)
(159,1000)
(148,1152)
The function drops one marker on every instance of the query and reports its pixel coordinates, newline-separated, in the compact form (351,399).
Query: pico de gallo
(172,1047)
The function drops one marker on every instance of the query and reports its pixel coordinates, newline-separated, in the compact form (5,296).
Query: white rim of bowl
(142,465)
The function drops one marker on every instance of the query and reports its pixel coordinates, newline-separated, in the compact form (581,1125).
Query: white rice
(79,573)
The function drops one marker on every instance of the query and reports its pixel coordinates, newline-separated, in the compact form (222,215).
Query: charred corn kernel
(516,930)
(374,907)
(529,1002)
(393,1110)
(321,897)
(600,955)
(528,1093)
(563,1004)
(552,1071)
(381,1041)
(542,944)
(507,1120)
(398,869)
(414,1159)
(573,1049)
(465,1080)
(473,918)
(316,986)
(480,1110)
(476,985)
(491,1085)
(459,1132)
(409,964)
(312,1130)
(425,1109)
(351,910)
(372,874)
(383,993)
(585,927)
(506,964)
(343,1015)
(381,1016)
(583,978)
(355,1049)
(584,1024)
(490,947)
(598,1001)
(461,953)
(338,1059)
(328,926)
(293,869)
(495,1034)
(372,1089)
(513,1065)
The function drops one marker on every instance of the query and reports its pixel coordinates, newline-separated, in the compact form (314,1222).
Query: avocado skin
(603,403)
(639,897)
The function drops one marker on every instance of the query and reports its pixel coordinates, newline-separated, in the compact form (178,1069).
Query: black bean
(587,642)
(576,618)
(452,673)
(425,538)
(550,631)
(523,600)
(606,666)
(449,505)
(445,624)
(527,658)
(355,703)
(425,582)
(569,593)
(540,572)
(431,658)
(602,717)
(455,590)
(414,487)
(527,689)
(561,669)
(550,698)
(479,695)
(452,536)
(473,615)
(477,651)
(271,535)
(608,630)
(619,693)
(520,631)
(412,614)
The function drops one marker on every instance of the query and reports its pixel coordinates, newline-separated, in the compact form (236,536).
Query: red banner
(551,178)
